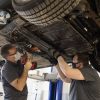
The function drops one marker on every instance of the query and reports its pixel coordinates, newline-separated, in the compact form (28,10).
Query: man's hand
(24,58)
(54,53)
(28,64)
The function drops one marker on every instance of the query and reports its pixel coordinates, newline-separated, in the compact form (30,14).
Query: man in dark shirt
(13,75)
(85,81)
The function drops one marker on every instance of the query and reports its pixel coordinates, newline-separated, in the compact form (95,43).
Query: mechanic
(14,76)
(85,80)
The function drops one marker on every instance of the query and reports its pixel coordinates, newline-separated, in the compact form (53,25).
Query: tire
(44,12)
(4,3)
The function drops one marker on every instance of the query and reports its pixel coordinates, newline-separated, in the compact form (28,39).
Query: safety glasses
(12,54)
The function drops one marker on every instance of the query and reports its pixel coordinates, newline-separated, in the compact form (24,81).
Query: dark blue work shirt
(11,71)
(88,89)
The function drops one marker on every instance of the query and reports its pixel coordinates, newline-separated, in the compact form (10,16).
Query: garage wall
(1,90)
(65,92)
(37,90)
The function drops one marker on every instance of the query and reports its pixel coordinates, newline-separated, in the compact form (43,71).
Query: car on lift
(69,26)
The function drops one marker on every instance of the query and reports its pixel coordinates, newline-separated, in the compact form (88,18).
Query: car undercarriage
(69,26)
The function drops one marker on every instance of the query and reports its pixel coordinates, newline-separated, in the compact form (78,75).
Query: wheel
(44,12)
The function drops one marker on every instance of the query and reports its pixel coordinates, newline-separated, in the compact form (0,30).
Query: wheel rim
(22,1)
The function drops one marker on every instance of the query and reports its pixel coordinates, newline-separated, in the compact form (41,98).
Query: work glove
(34,65)
(54,53)
(24,59)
